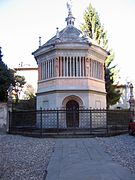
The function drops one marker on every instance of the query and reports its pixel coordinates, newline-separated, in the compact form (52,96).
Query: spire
(39,41)
(70,19)
(57,32)
(0,54)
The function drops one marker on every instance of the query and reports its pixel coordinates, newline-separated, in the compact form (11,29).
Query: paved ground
(84,159)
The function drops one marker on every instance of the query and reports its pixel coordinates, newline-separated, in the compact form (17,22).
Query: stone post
(132,102)
(9,105)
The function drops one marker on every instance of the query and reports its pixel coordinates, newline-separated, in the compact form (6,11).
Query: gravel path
(121,148)
(24,158)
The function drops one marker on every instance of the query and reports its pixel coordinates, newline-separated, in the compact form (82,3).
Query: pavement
(84,159)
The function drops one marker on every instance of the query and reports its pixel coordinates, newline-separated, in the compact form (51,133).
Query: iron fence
(68,121)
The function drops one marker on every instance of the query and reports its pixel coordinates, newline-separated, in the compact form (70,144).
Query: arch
(72,97)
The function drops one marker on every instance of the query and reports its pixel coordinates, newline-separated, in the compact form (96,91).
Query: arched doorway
(72,115)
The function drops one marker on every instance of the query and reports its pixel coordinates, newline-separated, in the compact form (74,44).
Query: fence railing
(69,121)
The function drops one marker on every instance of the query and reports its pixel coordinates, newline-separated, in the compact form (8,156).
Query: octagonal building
(70,70)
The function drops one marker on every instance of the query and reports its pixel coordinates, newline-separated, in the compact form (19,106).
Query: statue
(69,6)
(10,91)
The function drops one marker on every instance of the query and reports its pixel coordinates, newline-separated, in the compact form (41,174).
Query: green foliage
(25,104)
(93,27)
(29,92)
(113,95)
(6,78)
(18,86)
(95,30)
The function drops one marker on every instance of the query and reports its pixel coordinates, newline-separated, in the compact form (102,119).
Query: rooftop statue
(69,6)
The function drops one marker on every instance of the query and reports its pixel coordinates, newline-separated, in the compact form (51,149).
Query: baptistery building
(70,70)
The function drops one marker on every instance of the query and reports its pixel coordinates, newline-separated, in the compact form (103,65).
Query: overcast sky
(23,21)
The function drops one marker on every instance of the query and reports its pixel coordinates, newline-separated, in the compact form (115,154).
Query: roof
(68,35)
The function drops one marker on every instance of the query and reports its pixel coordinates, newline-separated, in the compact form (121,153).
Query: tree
(29,92)
(95,30)
(29,99)
(6,78)
(18,86)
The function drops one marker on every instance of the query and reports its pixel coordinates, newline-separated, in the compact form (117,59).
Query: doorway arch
(72,114)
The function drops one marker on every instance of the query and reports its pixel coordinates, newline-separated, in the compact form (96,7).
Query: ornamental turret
(70,19)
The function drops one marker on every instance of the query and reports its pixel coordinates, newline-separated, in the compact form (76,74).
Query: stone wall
(3,116)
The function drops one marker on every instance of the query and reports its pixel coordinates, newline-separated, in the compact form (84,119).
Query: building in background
(123,103)
(31,76)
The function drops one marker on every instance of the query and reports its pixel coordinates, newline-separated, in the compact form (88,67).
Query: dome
(70,34)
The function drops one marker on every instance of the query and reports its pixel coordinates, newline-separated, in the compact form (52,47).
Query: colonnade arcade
(71,67)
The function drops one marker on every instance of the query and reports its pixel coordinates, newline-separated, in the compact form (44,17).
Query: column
(64,66)
(62,62)
(39,71)
(94,68)
(43,70)
(98,70)
(77,66)
(95,63)
(52,67)
(47,69)
(56,67)
(67,65)
(60,66)
(70,67)
(103,72)
(80,65)
(73,66)
(86,67)
(90,68)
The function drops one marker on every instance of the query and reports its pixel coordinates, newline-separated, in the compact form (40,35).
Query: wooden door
(72,114)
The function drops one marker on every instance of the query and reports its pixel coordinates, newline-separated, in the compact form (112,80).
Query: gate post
(107,129)
(132,102)
(57,111)
(9,122)
(90,122)
(9,107)
(41,128)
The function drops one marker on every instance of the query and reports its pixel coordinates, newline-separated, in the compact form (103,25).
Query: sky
(23,21)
